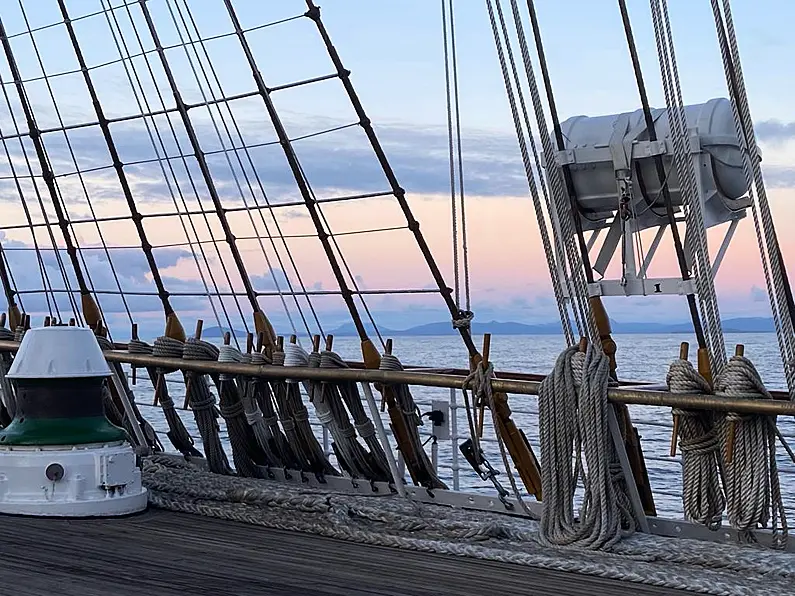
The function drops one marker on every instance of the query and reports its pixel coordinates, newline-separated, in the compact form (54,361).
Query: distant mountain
(219,332)
(737,325)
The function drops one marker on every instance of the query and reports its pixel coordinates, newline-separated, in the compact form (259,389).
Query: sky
(394,51)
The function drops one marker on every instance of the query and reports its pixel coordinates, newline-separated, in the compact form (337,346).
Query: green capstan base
(61,431)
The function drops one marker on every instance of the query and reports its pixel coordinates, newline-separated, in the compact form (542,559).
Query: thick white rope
(753,493)
(573,423)
(388,520)
(702,495)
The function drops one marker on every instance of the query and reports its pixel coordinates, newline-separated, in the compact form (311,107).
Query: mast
(91,312)
(174,328)
(261,322)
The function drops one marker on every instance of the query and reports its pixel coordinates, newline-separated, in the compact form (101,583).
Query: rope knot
(463,319)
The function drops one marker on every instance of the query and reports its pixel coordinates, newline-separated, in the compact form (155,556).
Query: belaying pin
(739,350)
(684,348)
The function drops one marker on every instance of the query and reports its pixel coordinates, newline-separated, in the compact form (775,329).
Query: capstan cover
(59,353)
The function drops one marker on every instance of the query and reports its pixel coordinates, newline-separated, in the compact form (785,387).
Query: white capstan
(59,353)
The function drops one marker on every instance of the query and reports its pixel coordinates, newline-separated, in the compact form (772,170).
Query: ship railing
(441,391)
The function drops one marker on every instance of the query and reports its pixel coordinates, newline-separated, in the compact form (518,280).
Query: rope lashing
(463,320)
(702,495)
(573,421)
(753,493)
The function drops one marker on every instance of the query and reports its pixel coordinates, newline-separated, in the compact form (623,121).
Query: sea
(639,357)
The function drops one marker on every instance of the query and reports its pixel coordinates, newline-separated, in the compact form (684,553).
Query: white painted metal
(442,430)
(597,148)
(618,190)
(84,481)
(59,353)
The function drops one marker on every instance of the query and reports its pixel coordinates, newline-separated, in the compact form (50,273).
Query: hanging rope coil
(406,416)
(167,347)
(702,495)
(203,405)
(331,413)
(251,408)
(306,446)
(753,494)
(573,421)
(362,423)
(248,458)
(264,399)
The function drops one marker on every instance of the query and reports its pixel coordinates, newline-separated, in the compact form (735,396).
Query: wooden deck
(160,553)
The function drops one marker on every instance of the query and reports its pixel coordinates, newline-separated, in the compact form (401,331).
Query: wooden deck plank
(161,553)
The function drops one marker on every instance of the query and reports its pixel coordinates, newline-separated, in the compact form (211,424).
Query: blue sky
(394,50)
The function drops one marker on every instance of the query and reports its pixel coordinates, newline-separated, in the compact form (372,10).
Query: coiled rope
(573,422)
(167,347)
(253,414)
(293,410)
(753,493)
(264,399)
(331,414)
(364,426)
(203,406)
(248,456)
(702,495)
(420,466)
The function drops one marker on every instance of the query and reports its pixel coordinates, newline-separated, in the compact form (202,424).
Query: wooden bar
(615,395)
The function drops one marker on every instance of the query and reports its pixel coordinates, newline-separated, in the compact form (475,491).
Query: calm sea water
(640,357)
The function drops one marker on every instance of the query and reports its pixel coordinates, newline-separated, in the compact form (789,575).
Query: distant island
(737,325)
